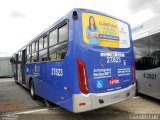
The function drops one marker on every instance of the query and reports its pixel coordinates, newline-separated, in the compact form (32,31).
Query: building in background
(5,67)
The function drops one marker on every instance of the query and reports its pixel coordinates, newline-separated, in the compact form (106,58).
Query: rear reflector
(67,89)
(62,98)
(82,77)
(82,104)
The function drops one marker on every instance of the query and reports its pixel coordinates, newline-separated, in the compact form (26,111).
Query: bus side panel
(28,74)
(40,76)
(57,86)
(19,73)
(36,72)
(148,82)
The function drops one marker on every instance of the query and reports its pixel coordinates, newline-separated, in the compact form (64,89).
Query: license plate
(114,81)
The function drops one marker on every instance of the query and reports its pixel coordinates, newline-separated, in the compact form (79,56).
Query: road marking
(2,81)
(136,97)
(32,111)
(36,110)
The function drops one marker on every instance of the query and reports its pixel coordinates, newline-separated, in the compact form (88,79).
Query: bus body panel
(88,52)
(92,100)
(118,92)
(54,79)
(146,84)
(108,70)
(50,87)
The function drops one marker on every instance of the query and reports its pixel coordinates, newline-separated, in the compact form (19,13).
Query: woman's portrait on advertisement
(92,32)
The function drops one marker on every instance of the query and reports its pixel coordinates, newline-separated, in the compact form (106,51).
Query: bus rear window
(105,31)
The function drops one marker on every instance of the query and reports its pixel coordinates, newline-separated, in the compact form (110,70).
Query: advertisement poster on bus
(105,31)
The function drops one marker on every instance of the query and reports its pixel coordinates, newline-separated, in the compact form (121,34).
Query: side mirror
(12,60)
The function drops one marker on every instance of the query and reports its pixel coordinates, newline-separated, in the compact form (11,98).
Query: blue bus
(82,62)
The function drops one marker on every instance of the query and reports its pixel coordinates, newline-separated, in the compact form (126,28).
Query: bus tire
(32,90)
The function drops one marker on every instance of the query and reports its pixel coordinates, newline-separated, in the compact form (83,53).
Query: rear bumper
(92,100)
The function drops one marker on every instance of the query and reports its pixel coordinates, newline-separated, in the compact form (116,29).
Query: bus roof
(150,27)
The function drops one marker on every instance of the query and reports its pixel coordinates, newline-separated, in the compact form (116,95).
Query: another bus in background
(147,53)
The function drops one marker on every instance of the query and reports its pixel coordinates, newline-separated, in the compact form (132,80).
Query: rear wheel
(32,91)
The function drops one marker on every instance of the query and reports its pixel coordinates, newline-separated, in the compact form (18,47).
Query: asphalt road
(16,99)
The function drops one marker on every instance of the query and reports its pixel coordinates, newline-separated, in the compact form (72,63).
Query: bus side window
(40,48)
(20,57)
(43,49)
(52,42)
(35,52)
(159,58)
(41,44)
(27,54)
(62,53)
(63,33)
(154,51)
(141,49)
(53,37)
(57,52)
(33,46)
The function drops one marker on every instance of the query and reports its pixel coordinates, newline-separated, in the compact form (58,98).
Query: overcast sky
(22,20)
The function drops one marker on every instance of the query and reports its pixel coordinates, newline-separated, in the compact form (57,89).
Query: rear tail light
(82,77)
(133,72)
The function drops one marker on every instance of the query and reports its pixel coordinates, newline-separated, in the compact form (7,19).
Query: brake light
(133,72)
(82,104)
(82,77)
